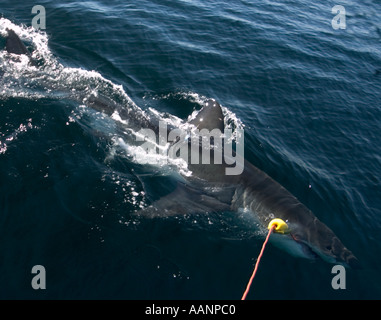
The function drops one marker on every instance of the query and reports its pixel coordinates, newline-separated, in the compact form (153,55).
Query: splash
(12,137)
(231,120)
(51,79)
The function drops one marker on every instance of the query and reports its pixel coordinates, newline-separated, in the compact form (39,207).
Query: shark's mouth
(308,250)
(294,246)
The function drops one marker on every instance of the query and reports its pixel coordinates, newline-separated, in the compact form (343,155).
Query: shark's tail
(14,44)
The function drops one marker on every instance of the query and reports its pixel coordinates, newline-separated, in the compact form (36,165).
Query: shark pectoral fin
(182,201)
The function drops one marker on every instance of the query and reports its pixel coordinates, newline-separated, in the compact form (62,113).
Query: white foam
(55,80)
(51,79)
(13,136)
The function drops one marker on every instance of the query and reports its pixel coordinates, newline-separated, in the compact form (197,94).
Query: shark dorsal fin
(210,117)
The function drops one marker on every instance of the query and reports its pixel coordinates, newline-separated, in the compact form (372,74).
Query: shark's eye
(329,248)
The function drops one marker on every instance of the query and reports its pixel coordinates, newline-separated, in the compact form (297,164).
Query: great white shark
(210,189)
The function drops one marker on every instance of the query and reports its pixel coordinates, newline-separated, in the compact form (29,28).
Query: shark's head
(316,240)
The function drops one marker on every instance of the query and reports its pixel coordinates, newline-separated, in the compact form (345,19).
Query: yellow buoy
(279,226)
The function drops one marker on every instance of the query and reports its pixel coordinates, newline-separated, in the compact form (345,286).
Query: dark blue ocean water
(307,95)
